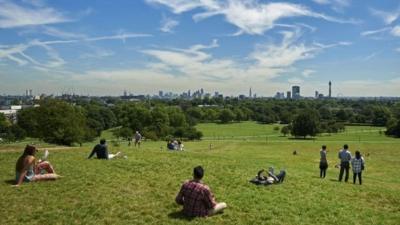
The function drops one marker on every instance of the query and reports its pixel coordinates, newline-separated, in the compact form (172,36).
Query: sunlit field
(141,189)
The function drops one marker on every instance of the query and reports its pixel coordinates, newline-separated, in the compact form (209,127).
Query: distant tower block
(330,89)
(250,93)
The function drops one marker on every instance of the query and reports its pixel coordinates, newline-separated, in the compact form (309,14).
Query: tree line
(77,121)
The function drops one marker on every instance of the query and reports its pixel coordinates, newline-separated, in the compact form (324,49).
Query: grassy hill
(142,188)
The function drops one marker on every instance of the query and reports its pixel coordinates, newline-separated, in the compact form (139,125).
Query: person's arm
(28,163)
(273,176)
(179,198)
(209,199)
(92,153)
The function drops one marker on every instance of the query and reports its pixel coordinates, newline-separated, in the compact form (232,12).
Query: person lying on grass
(101,151)
(197,198)
(27,170)
(271,178)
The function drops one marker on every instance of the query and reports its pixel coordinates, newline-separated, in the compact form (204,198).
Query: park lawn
(142,188)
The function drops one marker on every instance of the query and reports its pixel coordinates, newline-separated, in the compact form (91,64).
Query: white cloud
(250,16)
(168,24)
(387,17)
(13,15)
(186,68)
(395,31)
(374,32)
(295,80)
(52,31)
(17,53)
(307,73)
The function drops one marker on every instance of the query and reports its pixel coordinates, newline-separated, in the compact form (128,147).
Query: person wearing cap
(197,198)
(345,157)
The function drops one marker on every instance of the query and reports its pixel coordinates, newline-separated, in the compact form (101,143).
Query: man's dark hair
(345,146)
(198,172)
(103,141)
(323,146)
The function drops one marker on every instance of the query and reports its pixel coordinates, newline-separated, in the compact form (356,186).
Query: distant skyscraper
(30,92)
(250,95)
(296,92)
(160,93)
(125,93)
(330,90)
(316,94)
(288,95)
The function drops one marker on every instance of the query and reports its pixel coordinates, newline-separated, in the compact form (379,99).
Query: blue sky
(105,47)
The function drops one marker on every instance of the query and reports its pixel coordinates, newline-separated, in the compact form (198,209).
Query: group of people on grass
(357,164)
(195,196)
(175,145)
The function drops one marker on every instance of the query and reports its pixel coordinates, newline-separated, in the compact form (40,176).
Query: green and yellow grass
(142,188)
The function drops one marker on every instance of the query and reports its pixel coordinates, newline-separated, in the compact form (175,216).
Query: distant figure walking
(345,157)
(138,138)
(197,198)
(323,162)
(101,151)
(357,164)
(27,170)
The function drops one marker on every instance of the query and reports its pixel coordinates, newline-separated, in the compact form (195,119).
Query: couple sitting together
(175,145)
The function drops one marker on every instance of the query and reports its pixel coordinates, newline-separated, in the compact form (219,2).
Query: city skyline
(104,48)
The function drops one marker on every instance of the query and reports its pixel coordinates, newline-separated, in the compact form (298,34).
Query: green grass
(142,188)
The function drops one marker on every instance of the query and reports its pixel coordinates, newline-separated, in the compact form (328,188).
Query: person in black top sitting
(101,151)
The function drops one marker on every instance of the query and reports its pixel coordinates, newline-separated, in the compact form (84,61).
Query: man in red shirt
(197,198)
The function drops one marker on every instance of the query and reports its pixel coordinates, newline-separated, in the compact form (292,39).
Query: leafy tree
(226,116)
(123,132)
(285,130)
(306,123)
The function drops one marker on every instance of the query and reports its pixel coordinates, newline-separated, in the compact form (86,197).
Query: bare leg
(48,176)
(218,208)
(111,156)
(44,165)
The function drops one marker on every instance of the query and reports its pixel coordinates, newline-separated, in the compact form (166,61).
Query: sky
(104,47)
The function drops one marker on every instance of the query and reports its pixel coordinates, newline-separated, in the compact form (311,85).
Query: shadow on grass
(178,215)
(10,182)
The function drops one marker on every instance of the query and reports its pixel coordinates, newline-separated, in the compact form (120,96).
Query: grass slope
(142,188)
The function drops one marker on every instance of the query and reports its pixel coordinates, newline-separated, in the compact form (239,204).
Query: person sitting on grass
(170,145)
(101,151)
(197,198)
(27,170)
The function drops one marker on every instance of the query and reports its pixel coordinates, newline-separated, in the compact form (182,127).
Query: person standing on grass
(27,170)
(357,164)
(138,138)
(101,151)
(323,162)
(197,198)
(345,157)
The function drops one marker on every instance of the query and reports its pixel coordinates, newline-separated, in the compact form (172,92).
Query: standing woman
(323,163)
(26,169)
(357,165)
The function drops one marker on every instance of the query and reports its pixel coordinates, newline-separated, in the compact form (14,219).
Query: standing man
(197,198)
(138,139)
(345,157)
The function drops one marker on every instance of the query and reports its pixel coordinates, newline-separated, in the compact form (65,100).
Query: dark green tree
(306,123)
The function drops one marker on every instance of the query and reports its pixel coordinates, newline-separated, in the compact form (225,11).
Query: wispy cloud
(168,24)
(387,17)
(395,31)
(17,53)
(337,5)
(250,16)
(14,15)
(374,32)
(307,73)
